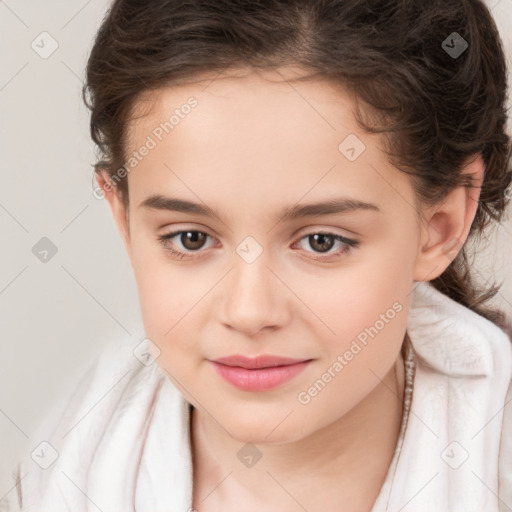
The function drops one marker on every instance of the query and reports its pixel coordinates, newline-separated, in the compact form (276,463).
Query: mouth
(260,373)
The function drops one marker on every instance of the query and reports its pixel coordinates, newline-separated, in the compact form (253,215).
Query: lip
(258,373)
(257,362)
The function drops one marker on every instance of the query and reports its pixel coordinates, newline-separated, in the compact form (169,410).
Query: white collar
(450,452)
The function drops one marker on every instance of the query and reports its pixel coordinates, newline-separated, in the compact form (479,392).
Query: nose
(254,298)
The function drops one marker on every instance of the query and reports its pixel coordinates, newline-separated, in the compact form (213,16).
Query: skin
(254,144)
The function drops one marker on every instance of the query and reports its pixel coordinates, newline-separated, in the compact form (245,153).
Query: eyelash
(348,244)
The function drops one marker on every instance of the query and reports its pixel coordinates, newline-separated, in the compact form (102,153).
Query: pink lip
(259,373)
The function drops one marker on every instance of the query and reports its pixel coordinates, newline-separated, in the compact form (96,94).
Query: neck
(348,459)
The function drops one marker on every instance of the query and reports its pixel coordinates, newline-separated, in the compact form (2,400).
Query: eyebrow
(329,207)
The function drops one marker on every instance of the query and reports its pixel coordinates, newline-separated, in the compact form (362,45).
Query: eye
(322,242)
(191,240)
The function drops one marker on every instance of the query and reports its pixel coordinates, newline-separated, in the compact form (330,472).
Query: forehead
(254,133)
(246,104)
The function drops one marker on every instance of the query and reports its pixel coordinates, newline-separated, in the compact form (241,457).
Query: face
(329,285)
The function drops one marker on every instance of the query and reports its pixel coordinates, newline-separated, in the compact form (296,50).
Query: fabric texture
(123,434)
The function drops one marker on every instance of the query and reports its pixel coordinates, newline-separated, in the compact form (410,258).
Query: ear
(119,212)
(446,225)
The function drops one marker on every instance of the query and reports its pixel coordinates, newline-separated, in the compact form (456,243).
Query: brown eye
(321,242)
(324,242)
(184,243)
(192,240)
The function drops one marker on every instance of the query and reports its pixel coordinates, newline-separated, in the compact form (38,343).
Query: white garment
(124,436)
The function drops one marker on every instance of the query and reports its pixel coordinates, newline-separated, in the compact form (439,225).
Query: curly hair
(434,107)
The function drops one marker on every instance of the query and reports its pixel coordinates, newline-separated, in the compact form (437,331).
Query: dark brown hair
(437,107)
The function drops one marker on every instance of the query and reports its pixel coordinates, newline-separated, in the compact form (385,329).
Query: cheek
(368,318)
(167,292)
(350,297)
(167,308)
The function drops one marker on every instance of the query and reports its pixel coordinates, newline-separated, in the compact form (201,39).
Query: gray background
(56,315)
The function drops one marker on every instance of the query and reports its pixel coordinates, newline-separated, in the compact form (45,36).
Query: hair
(435,110)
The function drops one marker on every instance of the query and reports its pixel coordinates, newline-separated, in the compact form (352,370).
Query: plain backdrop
(66,285)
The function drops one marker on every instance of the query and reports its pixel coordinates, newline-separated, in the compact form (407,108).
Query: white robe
(123,436)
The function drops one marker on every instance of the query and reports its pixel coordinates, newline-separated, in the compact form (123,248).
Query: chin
(261,432)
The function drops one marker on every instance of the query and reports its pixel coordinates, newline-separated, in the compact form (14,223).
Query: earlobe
(446,225)
(117,208)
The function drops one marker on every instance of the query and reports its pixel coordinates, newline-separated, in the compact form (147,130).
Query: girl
(295,183)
